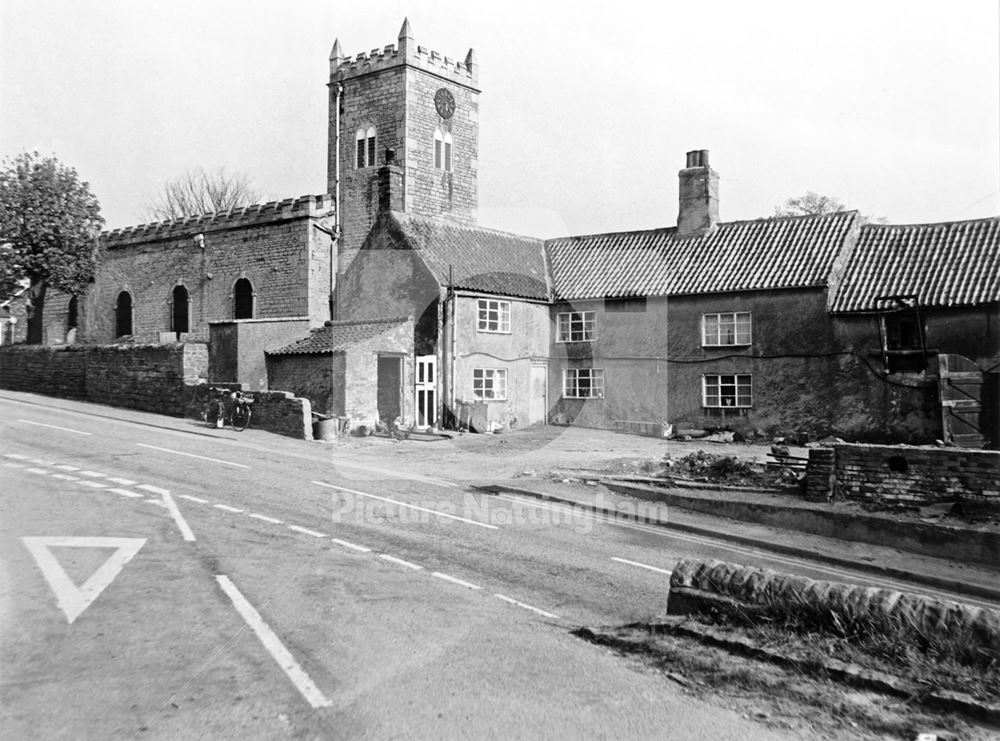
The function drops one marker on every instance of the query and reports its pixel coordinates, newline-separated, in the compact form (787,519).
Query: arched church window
(180,303)
(123,314)
(442,150)
(72,313)
(243,299)
(365,143)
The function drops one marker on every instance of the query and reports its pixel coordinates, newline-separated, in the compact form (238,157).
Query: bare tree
(199,192)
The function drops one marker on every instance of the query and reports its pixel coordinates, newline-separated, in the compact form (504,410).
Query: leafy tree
(49,222)
(199,192)
(809,204)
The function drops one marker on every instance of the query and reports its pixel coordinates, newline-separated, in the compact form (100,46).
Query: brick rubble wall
(153,378)
(893,475)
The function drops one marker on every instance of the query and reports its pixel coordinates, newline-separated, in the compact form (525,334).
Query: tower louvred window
(438,149)
(365,147)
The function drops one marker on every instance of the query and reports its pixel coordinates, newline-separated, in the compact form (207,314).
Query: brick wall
(903,475)
(153,378)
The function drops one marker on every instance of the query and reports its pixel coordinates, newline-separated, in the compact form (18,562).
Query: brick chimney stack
(699,197)
(390,184)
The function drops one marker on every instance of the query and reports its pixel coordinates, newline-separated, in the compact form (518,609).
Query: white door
(426,384)
(538,395)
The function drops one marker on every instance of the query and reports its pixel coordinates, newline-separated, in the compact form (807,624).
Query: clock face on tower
(444,102)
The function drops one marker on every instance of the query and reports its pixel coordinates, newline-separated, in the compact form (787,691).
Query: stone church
(384,300)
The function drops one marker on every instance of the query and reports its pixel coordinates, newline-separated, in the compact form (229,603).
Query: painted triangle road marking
(72,599)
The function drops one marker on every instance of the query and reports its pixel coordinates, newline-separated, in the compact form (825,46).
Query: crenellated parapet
(259,214)
(405,52)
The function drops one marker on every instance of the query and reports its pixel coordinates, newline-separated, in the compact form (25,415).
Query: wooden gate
(960,390)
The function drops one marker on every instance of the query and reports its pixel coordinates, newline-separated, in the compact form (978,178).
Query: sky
(586,112)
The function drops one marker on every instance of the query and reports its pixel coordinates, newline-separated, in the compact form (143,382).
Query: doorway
(390,388)
(538,394)
(426,385)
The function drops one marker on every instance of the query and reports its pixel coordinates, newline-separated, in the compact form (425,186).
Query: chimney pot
(699,197)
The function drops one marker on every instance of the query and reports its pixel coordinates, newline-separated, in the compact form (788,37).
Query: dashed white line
(64,467)
(10,464)
(307,531)
(190,498)
(54,427)
(158,503)
(94,484)
(543,613)
(126,493)
(94,474)
(65,477)
(192,455)
(401,562)
(227,508)
(171,505)
(39,461)
(123,482)
(273,644)
(39,471)
(265,518)
(352,546)
(455,580)
(153,489)
(16,456)
(410,506)
(642,565)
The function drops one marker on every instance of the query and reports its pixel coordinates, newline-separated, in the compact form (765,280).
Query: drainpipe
(335,244)
(454,340)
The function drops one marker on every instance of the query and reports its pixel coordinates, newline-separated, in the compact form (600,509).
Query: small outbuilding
(355,369)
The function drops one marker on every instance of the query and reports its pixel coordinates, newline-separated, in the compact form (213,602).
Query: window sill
(494,331)
(576,342)
(724,347)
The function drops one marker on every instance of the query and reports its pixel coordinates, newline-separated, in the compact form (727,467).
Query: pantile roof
(334,336)
(785,252)
(474,258)
(950,264)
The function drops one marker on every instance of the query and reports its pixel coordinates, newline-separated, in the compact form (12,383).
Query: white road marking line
(116,480)
(72,599)
(9,464)
(641,565)
(16,456)
(307,531)
(397,474)
(192,455)
(720,543)
(153,489)
(400,561)
(54,427)
(227,508)
(65,477)
(543,613)
(410,506)
(39,462)
(64,467)
(273,645)
(190,498)
(352,546)
(157,502)
(126,493)
(171,505)
(94,484)
(454,580)
(265,518)
(40,471)
(94,474)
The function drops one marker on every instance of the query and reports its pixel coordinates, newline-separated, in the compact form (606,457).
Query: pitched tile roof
(475,258)
(951,264)
(336,336)
(786,252)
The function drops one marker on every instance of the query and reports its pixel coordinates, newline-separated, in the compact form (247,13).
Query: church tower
(425,108)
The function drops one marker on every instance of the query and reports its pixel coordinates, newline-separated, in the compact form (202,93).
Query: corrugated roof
(950,264)
(478,259)
(336,336)
(786,252)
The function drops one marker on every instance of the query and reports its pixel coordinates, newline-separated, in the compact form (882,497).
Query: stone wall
(318,378)
(903,475)
(153,378)
(273,411)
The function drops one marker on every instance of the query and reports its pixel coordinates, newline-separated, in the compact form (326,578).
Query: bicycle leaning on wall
(225,405)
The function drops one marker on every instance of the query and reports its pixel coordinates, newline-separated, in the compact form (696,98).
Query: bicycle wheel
(241,417)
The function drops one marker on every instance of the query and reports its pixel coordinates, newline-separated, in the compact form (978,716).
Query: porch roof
(336,336)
